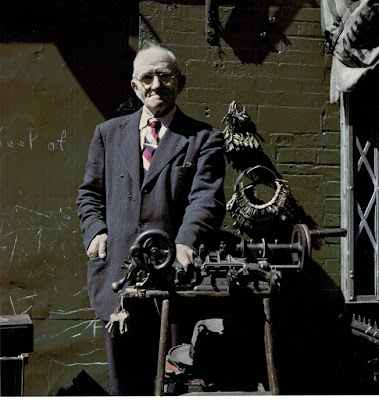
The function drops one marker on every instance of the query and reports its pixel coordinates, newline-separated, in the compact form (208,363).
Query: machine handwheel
(155,246)
(302,238)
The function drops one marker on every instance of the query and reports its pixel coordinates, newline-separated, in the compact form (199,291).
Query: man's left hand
(185,255)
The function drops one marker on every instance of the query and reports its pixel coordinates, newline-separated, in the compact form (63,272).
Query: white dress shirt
(144,127)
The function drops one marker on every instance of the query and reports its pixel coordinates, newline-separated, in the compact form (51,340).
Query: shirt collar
(165,120)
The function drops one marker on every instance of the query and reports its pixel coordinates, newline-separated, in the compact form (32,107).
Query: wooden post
(161,366)
(270,361)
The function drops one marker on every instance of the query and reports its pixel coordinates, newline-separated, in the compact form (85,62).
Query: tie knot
(155,124)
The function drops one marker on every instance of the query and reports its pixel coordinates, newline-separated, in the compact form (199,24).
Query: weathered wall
(58,62)
(66,69)
(282,79)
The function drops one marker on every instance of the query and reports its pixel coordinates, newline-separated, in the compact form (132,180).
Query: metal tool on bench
(153,272)
(248,265)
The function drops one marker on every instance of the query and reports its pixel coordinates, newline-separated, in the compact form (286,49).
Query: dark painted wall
(65,68)
(281,78)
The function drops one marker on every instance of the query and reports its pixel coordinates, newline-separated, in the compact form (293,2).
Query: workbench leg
(270,361)
(161,366)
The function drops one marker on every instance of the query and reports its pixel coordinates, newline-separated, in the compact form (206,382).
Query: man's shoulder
(190,124)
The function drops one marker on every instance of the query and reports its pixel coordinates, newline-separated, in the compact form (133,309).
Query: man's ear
(135,88)
(181,82)
(133,85)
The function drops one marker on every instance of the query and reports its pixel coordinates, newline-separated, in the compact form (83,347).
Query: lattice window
(360,196)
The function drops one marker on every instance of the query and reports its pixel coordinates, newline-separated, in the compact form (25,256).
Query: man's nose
(156,82)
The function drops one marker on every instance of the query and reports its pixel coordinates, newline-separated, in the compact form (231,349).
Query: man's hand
(98,246)
(185,255)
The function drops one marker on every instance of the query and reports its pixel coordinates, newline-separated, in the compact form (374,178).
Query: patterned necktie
(150,145)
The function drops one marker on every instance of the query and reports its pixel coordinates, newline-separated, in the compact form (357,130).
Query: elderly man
(156,168)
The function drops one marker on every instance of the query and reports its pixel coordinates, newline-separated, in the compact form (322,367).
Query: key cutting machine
(246,269)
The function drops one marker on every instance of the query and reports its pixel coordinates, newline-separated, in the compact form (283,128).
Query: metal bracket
(212,22)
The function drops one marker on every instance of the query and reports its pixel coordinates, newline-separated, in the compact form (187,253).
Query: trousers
(132,356)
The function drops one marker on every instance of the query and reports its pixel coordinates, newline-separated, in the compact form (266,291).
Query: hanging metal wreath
(240,132)
(247,210)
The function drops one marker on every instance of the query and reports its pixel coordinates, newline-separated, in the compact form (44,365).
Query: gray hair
(154,47)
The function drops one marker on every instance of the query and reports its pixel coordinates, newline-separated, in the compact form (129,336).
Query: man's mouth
(156,97)
(152,94)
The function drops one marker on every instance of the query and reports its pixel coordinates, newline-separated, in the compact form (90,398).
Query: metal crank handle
(117,286)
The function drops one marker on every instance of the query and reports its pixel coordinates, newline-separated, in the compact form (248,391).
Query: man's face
(158,96)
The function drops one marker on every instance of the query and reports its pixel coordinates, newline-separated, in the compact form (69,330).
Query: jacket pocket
(96,277)
(184,175)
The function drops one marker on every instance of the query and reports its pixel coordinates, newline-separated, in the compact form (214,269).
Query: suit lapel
(130,146)
(170,145)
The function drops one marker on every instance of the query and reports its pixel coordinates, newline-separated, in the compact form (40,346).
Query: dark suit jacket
(182,193)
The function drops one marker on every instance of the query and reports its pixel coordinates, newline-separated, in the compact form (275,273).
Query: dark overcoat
(182,193)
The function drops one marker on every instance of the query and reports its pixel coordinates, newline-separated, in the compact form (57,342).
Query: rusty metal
(366,329)
(363,335)
(152,273)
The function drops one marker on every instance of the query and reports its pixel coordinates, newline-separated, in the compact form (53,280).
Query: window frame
(348,219)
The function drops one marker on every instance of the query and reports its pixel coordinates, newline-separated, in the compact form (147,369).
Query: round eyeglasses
(164,77)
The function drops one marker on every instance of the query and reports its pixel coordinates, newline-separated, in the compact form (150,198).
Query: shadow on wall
(313,343)
(311,327)
(253,31)
(92,37)
(313,336)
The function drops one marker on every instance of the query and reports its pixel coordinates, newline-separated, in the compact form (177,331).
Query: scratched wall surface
(56,68)
(45,126)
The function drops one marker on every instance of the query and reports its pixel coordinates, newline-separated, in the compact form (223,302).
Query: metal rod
(161,366)
(293,247)
(144,294)
(332,232)
(284,266)
(296,247)
(270,360)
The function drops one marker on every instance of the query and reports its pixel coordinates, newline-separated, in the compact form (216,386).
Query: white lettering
(31,138)
(31,141)
(61,140)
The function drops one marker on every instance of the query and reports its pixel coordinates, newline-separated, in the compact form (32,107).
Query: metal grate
(371,206)
(360,199)
(365,209)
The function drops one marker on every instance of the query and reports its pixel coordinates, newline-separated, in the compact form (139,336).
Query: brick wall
(282,79)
